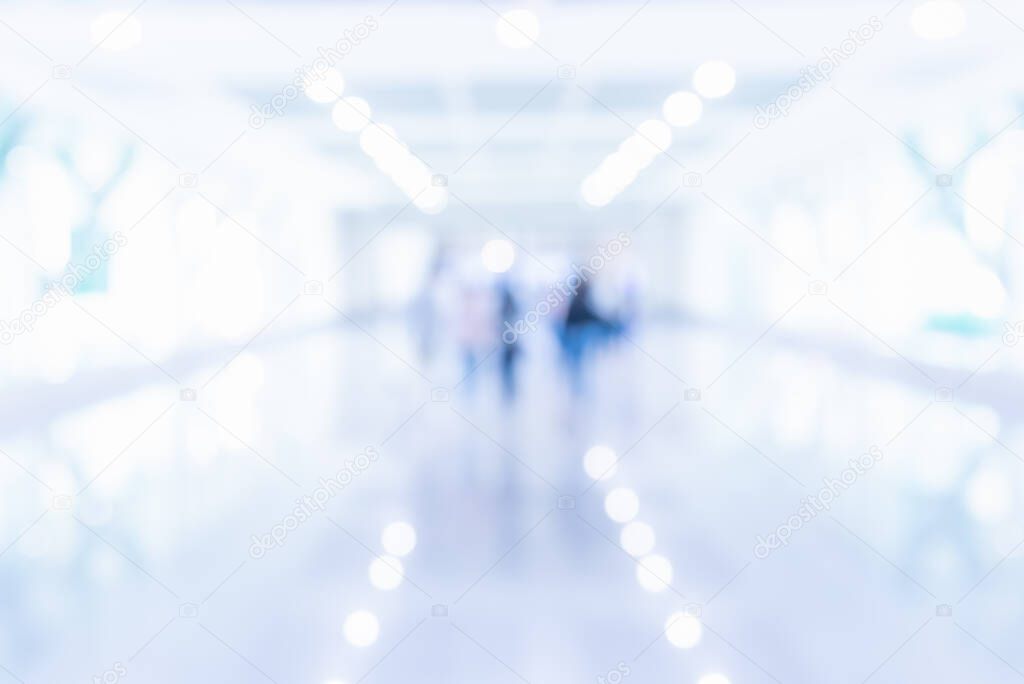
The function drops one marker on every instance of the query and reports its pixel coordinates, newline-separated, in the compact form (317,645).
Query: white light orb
(595,191)
(518,28)
(390,153)
(385,573)
(637,538)
(938,19)
(116,31)
(361,628)
(654,573)
(616,162)
(638,152)
(398,538)
(714,678)
(600,462)
(682,630)
(621,504)
(351,114)
(618,170)
(498,255)
(323,86)
(377,140)
(656,132)
(598,189)
(714,79)
(433,200)
(410,174)
(683,108)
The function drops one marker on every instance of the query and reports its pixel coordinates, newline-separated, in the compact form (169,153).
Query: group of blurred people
(478,315)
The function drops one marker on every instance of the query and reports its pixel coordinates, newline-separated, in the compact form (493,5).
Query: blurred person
(584,326)
(508,310)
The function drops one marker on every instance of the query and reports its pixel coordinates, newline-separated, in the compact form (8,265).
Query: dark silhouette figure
(584,326)
(508,311)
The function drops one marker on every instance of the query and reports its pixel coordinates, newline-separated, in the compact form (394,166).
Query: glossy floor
(181,555)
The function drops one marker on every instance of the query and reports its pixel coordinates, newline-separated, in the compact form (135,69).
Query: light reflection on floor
(533,589)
